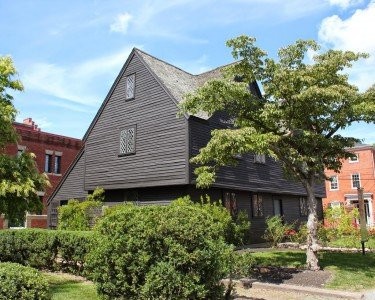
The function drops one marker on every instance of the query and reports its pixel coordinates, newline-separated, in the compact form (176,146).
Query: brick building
(54,153)
(356,172)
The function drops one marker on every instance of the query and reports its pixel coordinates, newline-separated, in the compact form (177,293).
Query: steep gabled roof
(174,80)
(177,81)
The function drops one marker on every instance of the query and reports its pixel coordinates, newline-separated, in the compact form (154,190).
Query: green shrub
(241,265)
(46,249)
(159,252)
(20,282)
(80,215)
(235,229)
(340,222)
(276,230)
(73,247)
(32,247)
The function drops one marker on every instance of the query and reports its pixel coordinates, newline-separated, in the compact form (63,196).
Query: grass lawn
(65,286)
(352,242)
(351,271)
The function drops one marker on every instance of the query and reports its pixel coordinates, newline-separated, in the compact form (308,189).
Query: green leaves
(19,177)
(81,215)
(304,105)
(19,184)
(161,252)
(7,110)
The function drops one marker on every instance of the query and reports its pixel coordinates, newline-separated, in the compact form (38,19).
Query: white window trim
(337,183)
(354,161)
(359,179)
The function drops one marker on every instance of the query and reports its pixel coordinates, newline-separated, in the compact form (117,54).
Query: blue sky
(68,53)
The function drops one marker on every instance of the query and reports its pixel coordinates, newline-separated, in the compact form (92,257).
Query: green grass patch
(351,271)
(64,286)
(352,242)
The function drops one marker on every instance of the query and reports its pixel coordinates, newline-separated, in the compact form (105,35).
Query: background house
(355,172)
(138,150)
(54,153)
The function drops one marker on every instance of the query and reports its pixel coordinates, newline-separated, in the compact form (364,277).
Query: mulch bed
(295,276)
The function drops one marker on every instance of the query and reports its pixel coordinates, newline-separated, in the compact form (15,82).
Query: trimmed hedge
(20,282)
(46,249)
(31,247)
(159,252)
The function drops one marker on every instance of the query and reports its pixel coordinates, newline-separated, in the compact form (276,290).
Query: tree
(19,177)
(296,121)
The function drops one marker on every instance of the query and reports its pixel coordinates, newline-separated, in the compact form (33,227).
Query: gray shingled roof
(177,81)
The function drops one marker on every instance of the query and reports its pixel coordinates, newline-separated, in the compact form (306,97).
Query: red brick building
(356,172)
(54,153)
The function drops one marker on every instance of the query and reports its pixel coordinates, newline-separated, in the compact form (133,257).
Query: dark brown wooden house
(137,149)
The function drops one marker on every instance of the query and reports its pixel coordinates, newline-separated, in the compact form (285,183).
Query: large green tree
(19,177)
(297,120)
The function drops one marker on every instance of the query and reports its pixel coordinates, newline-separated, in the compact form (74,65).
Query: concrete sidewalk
(266,291)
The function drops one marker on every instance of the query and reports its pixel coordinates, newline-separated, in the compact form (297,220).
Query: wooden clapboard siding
(71,186)
(247,175)
(160,137)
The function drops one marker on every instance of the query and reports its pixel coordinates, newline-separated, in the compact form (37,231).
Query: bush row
(180,251)
(20,282)
(46,249)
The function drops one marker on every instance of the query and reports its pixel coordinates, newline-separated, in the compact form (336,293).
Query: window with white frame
(257,205)
(354,158)
(260,158)
(127,140)
(334,182)
(356,181)
(303,209)
(130,86)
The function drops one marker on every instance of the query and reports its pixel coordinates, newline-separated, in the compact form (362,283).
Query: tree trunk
(312,228)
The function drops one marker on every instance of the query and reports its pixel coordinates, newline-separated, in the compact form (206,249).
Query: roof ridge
(216,69)
(163,61)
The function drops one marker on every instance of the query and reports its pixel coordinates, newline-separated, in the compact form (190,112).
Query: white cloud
(354,33)
(81,83)
(121,23)
(345,3)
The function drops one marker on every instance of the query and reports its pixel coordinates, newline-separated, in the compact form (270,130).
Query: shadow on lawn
(350,262)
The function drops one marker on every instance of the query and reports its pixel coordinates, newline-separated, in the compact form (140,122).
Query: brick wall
(32,139)
(345,194)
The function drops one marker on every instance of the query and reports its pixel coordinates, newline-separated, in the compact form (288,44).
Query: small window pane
(354,158)
(130,83)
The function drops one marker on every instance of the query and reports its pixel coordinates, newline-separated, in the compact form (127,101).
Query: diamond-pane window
(127,141)
(260,158)
(130,84)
